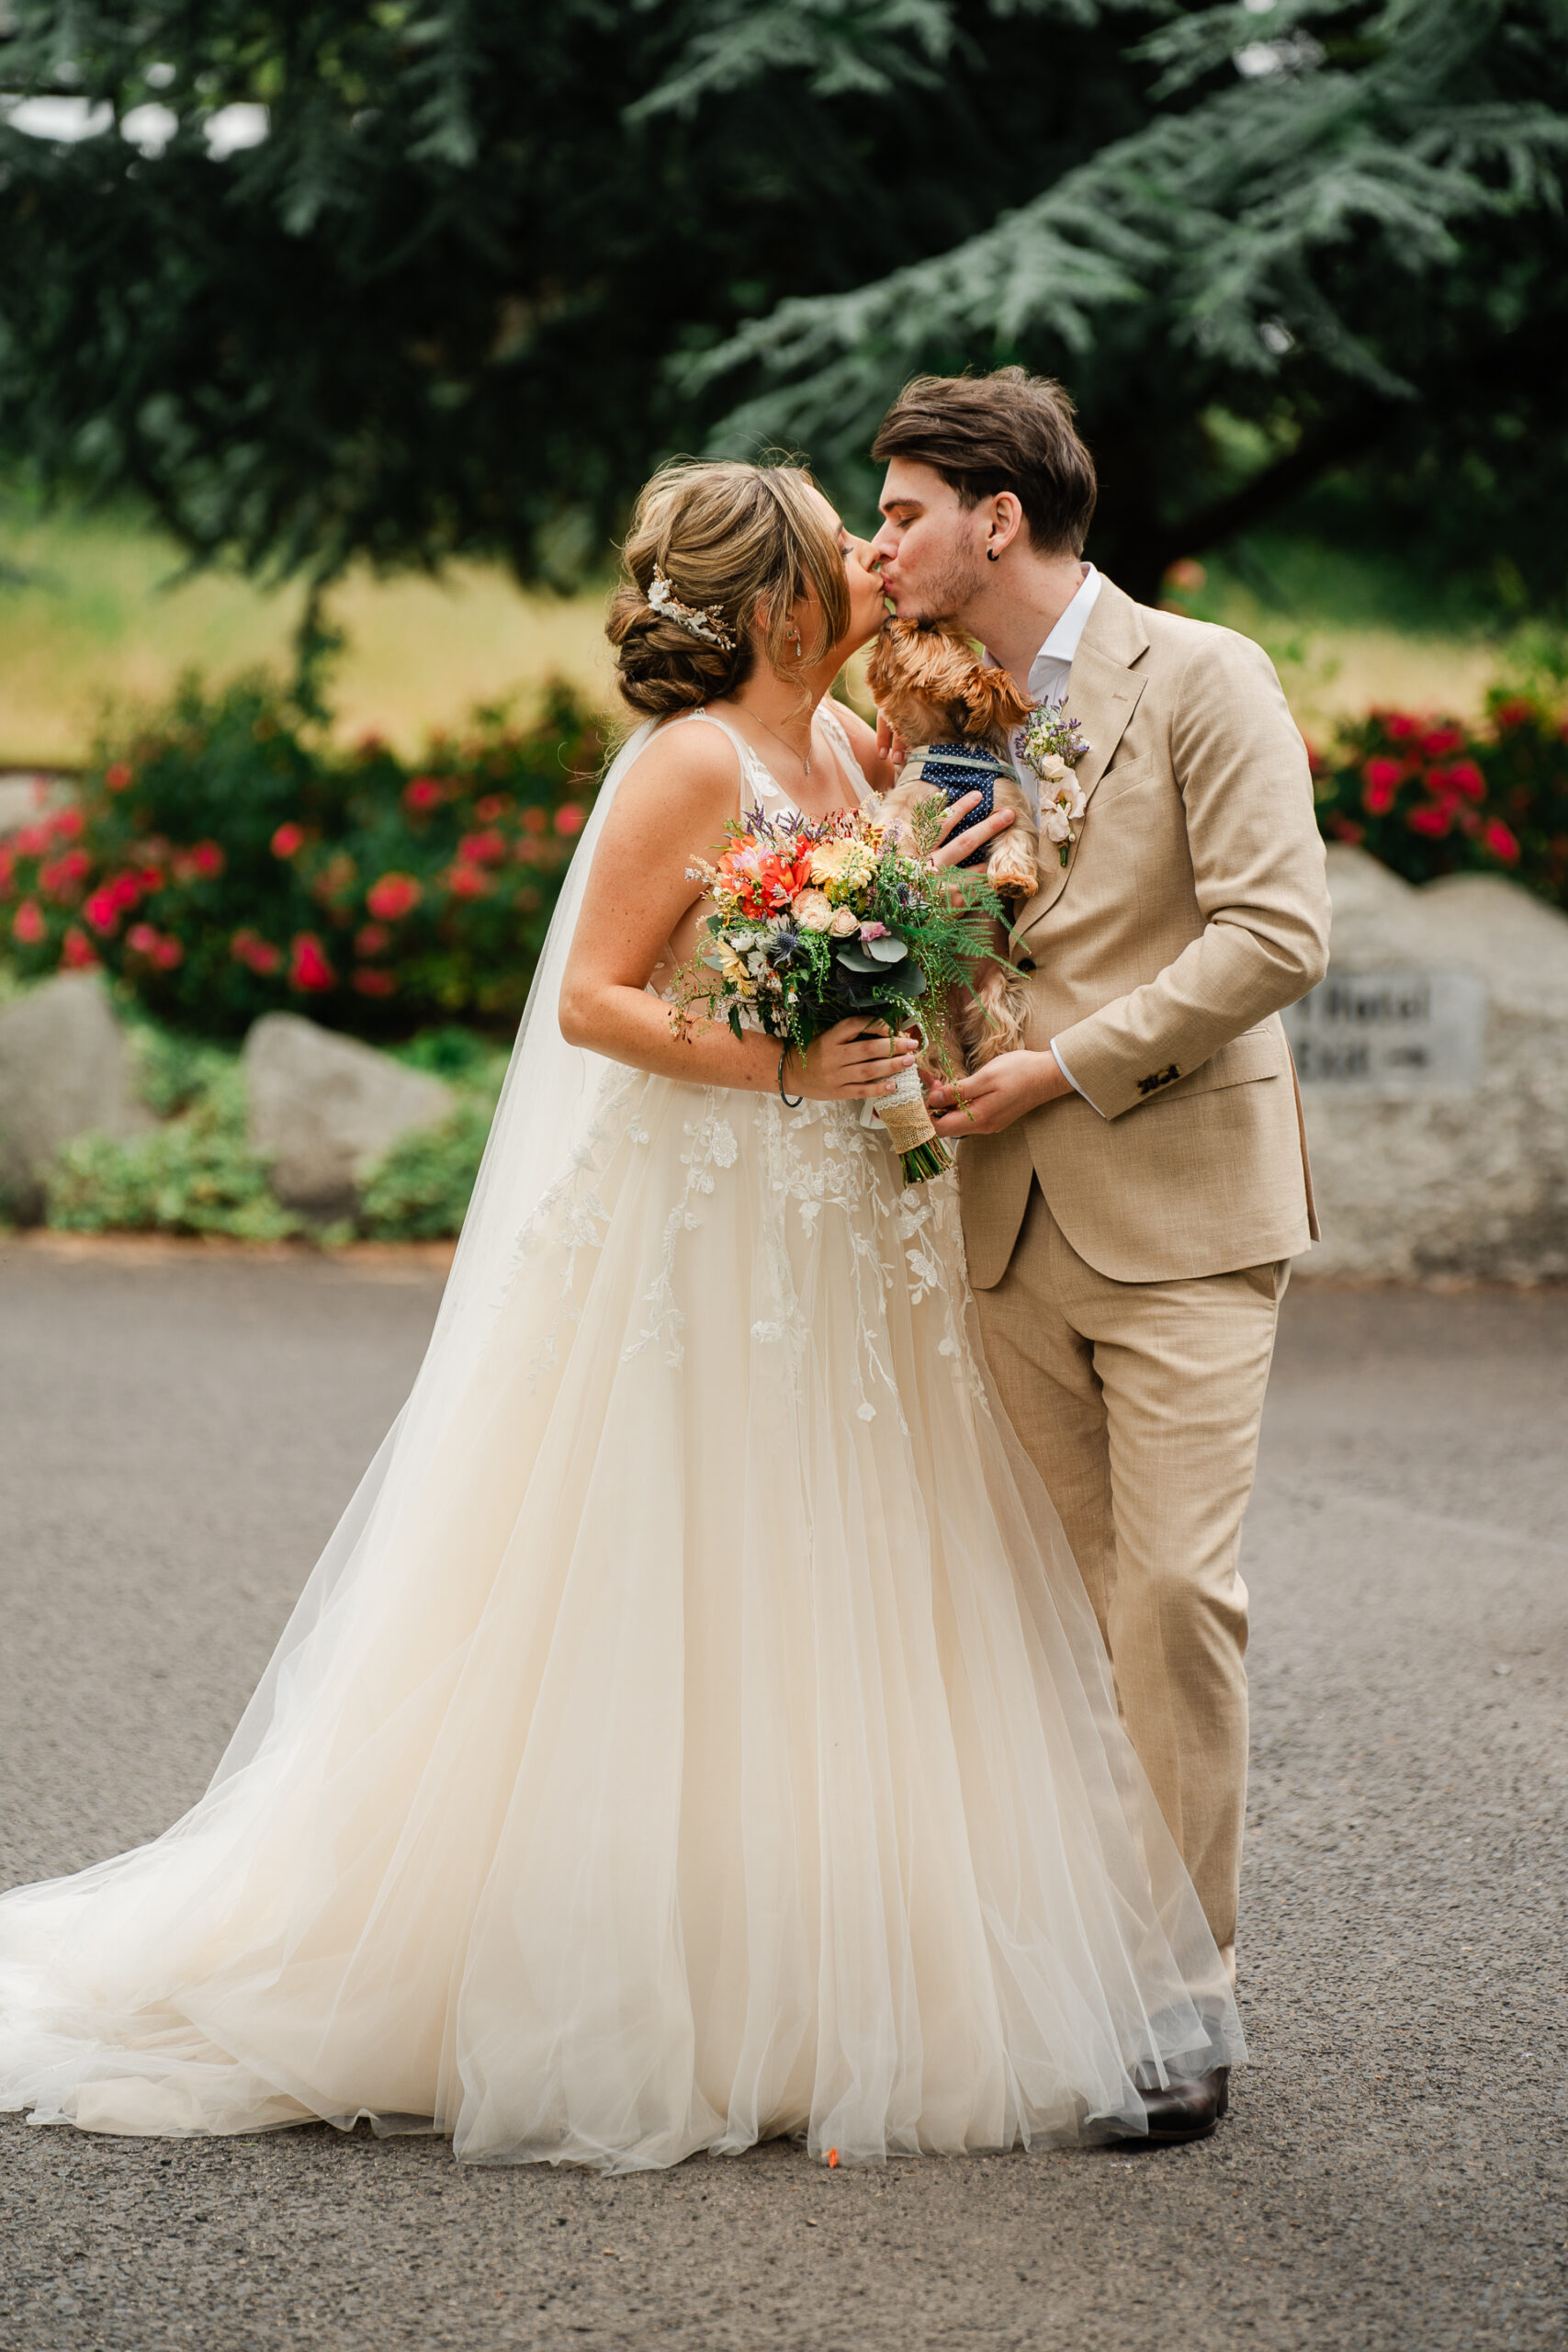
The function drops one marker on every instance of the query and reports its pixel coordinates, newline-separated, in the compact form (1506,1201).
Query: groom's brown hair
(1007,431)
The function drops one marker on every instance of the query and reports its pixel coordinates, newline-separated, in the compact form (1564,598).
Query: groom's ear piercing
(992,551)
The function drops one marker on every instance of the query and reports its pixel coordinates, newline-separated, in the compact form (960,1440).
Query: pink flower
(483,849)
(1396,723)
(28,925)
(493,804)
(1440,740)
(123,892)
(65,824)
(571,818)
(1500,840)
(1465,777)
(76,952)
(287,841)
(142,939)
(422,792)
(117,777)
(248,947)
(371,938)
(61,874)
(32,840)
(102,912)
(168,954)
(873,931)
(307,965)
(1383,777)
(7,865)
(1435,820)
(394,895)
(1516,712)
(370,982)
(467,881)
(209,860)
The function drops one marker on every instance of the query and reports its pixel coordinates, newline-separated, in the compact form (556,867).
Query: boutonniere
(1053,745)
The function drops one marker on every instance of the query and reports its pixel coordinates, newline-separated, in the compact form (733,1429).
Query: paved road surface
(175,1440)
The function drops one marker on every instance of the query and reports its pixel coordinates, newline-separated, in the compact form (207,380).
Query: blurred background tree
(488,263)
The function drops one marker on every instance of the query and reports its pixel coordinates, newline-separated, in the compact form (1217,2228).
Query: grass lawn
(90,616)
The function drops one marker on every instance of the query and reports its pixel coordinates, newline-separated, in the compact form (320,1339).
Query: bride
(695,1730)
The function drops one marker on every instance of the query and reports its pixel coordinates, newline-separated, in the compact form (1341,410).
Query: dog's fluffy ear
(997,703)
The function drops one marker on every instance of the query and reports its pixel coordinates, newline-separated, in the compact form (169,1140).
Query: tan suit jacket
(1192,907)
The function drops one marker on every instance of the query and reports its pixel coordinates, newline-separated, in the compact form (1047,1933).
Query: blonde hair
(746,541)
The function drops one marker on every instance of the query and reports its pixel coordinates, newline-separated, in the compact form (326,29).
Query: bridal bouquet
(818,920)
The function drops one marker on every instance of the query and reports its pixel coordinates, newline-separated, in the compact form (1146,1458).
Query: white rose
(844,923)
(1051,768)
(1054,826)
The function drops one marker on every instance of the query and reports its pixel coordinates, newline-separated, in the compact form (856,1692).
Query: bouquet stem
(921,1152)
(927,1160)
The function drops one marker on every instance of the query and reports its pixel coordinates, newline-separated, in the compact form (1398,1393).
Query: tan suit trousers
(1139,1404)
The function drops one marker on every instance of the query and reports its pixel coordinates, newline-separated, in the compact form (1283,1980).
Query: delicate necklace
(804,757)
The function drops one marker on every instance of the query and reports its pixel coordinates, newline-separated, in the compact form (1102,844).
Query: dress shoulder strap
(837,735)
(758,787)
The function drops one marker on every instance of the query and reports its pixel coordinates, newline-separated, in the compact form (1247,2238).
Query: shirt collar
(1063,641)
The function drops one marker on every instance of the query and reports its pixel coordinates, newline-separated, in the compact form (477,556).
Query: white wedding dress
(694,1731)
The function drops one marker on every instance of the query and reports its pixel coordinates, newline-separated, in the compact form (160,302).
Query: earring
(992,551)
(799,655)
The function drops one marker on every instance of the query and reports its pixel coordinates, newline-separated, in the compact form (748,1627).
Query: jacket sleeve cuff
(1061,1061)
(1099,1070)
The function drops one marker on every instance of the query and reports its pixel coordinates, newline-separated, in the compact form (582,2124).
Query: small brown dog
(941,699)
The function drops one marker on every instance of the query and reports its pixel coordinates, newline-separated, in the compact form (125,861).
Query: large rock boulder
(65,1070)
(323,1109)
(1433,1068)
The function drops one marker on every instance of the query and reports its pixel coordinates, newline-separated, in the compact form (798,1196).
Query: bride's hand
(848,1062)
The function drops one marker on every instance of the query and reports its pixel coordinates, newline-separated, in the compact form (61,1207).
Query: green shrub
(1432,796)
(420,1191)
(224,863)
(194,1173)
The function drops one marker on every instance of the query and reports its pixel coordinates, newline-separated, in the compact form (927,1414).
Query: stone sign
(1391,1034)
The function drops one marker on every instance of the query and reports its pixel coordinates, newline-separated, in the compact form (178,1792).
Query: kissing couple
(782,1674)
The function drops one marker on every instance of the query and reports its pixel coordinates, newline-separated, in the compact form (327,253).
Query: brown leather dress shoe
(1187,2108)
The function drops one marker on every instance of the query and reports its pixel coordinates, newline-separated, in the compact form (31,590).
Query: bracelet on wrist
(790,1102)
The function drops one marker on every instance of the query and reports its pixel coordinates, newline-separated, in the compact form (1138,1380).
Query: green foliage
(436,311)
(429,314)
(196,1173)
(222,862)
(1440,797)
(420,1191)
(1331,237)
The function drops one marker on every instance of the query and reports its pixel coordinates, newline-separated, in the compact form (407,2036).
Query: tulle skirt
(699,1735)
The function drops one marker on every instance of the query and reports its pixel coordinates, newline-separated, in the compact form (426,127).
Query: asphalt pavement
(177,1434)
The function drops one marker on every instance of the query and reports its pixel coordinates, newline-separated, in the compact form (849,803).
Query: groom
(1134,1180)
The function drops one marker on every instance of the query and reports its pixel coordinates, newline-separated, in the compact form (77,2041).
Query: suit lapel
(1102,693)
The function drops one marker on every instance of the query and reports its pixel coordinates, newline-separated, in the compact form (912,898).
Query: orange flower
(763,882)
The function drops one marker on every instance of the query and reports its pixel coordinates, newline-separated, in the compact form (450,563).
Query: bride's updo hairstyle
(735,545)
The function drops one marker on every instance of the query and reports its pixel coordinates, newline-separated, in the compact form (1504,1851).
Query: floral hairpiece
(703,621)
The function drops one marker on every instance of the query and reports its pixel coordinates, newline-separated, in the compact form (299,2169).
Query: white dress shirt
(1049,675)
